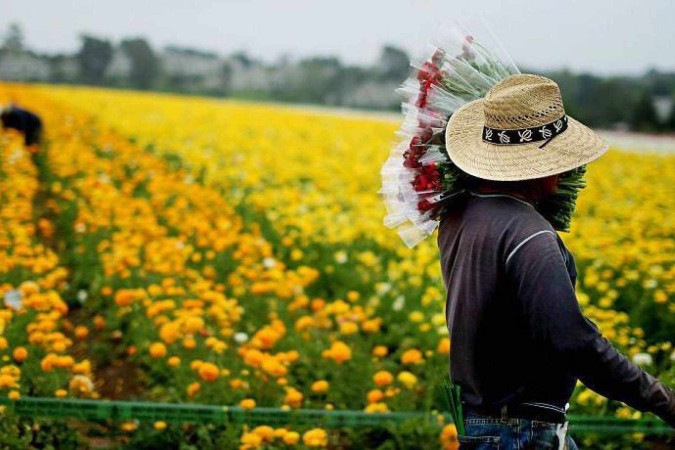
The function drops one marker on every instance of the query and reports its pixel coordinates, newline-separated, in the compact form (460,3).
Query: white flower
(269,262)
(13,299)
(672,356)
(642,359)
(82,295)
(399,303)
(382,288)
(240,337)
(341,257)
(651,283)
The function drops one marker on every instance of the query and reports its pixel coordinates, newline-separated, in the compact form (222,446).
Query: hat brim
(576,146)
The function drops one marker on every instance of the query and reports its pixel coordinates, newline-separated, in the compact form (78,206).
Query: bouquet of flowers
(419,181)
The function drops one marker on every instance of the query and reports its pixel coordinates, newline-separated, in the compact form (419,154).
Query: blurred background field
(201,224)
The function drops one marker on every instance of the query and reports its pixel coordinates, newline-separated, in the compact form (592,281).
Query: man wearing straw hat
(520,340)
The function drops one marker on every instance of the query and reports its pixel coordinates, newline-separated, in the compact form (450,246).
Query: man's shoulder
(506,212)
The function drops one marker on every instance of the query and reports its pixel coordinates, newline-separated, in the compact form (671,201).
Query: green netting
(169,412)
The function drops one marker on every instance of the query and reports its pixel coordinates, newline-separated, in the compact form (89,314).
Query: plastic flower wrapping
(419,179)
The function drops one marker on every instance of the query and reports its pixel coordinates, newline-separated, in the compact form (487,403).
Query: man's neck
(517,194)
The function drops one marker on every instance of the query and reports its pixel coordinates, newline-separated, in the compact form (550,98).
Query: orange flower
(371,325)
(99,322)
(81,332)
(193,324)
(158,350)
(208,372)
(189,343)
(193,388)
(319,387)
(443,346)
(383,378)
(274,367)
(380,351)
(412,356)
(448,437)
(125,297)
(339,351)
(374,396)
(20,354)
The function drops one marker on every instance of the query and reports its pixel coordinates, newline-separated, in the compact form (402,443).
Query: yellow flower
(251,440)
(265,432)
(173,361)
(407,379)
(291,438)
(247,403)
(293,397)
(316,437)
(60,393)
(159,425)
(81,385)
(376,408)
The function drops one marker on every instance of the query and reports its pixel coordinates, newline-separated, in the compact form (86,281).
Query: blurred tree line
(642,103)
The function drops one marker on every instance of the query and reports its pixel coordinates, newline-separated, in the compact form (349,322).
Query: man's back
(494,358)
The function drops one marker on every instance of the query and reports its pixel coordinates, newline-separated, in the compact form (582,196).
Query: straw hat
(519,131)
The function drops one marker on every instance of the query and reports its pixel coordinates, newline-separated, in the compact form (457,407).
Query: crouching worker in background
(26,122)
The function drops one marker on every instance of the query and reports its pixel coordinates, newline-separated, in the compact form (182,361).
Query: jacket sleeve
(536,270)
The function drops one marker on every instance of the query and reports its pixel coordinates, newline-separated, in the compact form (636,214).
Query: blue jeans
(491,433)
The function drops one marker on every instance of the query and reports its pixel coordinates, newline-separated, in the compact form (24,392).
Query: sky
(598,36)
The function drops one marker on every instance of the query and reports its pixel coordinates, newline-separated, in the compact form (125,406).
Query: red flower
(424,205)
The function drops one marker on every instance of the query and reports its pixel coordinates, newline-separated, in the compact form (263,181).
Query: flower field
(182,249)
